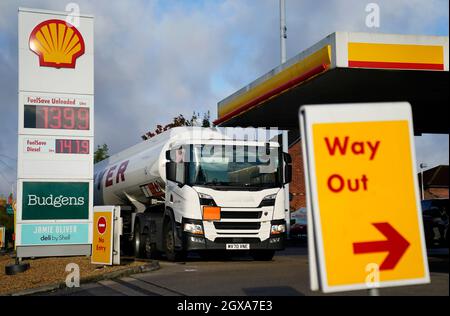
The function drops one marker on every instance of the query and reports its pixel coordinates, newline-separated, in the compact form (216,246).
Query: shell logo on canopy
(57,43)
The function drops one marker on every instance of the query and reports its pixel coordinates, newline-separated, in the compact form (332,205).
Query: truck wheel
(169,244)
(149,247)
(262,255)
(139,245)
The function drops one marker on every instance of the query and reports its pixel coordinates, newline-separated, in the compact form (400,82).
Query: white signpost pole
(287,201)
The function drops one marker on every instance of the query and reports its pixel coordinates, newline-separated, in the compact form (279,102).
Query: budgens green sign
(55,200)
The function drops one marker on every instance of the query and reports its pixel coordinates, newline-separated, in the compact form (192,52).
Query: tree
(101,153)
(177,121)
(206,119)
(5,219)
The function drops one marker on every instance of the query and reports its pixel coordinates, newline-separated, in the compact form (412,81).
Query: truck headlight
(195,229)
(268,200)
(205,196)
(278,229)
(206,199)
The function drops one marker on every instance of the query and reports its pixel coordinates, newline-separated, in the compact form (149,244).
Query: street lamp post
(422,166)
(283,30)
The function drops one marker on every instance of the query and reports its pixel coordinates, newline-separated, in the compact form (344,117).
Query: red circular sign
(101,225)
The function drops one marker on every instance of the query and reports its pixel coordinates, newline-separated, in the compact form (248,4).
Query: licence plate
(238,246)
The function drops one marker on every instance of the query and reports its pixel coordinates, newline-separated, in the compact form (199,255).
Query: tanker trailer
(198,189)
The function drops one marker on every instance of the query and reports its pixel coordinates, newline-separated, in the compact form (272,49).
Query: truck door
(176,174)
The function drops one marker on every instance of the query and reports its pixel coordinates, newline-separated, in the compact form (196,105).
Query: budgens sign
(55,200)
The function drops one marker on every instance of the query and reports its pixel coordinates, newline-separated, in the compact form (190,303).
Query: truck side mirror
(287,158)
(168,154)
(288,168)
(288,174)
(171,168)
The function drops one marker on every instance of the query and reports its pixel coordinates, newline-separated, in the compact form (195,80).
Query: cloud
(157,59)
(432,150)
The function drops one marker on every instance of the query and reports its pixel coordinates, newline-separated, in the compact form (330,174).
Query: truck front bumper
(196,242)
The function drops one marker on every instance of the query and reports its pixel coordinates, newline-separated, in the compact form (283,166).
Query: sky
(156,59)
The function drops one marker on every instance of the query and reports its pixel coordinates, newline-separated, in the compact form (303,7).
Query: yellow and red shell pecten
(57,43)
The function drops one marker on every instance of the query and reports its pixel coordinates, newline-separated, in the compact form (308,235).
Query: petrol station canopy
(347,68)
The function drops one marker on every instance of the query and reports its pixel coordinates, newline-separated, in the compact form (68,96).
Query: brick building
(297,186)
(435,182)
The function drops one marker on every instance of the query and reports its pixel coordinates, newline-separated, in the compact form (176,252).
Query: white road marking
(149,287)
(120,288)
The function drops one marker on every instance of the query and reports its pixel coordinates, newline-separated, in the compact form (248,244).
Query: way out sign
(363,199)
(106,232)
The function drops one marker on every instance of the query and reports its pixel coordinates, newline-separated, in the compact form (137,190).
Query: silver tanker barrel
(137,174)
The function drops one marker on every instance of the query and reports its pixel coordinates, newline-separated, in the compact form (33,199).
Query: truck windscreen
(235,166)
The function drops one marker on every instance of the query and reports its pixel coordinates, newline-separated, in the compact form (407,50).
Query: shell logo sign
(57,43)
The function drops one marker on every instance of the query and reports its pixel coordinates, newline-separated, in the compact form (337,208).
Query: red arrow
(395,244)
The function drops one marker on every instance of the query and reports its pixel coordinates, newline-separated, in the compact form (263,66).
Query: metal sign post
(283,30)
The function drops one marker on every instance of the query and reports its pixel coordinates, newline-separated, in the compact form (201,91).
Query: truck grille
(237,226)
(240,215)
(224,240)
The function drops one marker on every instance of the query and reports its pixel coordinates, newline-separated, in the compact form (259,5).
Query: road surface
(286,275)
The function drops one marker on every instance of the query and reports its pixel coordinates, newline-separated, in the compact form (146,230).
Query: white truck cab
(193,189)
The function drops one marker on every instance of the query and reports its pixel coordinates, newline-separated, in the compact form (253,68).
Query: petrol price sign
(56,117)
(55,157)
(40,145)
(72,146)
(364,205)
(44,113)
(55,134)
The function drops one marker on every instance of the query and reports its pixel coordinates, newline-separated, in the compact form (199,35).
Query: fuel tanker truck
(198,189)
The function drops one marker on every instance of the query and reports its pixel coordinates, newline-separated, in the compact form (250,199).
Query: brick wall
(297,186)
(436,193)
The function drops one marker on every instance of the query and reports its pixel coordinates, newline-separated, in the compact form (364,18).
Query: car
(299,224)
(435,222)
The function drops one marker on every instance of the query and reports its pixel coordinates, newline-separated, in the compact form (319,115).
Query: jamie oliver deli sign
(54,234)
(55,200)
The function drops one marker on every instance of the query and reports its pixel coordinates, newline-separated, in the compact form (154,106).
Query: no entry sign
(363,199)
(102,239)
(106,232)
(101,225)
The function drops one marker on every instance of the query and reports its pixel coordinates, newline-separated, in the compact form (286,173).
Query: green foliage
(206,119)
(180,120)
(5,219)
(101,153)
